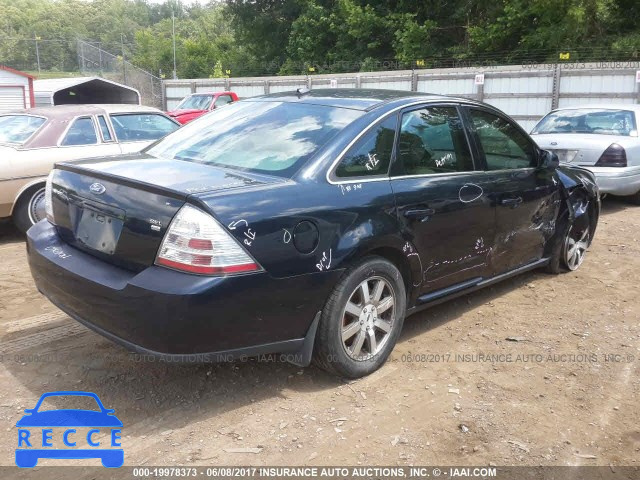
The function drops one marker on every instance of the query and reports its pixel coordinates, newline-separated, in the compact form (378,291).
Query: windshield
(195,102)
(18,128)
(596,121)
(266,137)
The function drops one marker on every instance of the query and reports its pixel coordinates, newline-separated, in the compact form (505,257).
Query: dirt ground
(455,391)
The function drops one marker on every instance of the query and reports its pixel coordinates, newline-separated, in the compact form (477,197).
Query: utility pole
(36,38)
(173,24)
(124,67)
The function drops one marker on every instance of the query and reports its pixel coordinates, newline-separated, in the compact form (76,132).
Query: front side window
(81,132)
(432,141)
(504,146)
(584,120)
(266,137)
(139,127)
(223,100)
(19,128)
(371,154)
(195,102)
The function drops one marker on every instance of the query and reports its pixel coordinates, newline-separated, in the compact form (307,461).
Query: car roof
(603,106)
(354,98)
(58,118)
(69,111)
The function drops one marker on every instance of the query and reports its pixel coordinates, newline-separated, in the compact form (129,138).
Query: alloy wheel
(368,318)
(576,247)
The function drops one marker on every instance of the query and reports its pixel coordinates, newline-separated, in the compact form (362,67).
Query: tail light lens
(195,242)
(48,198)
(613,156)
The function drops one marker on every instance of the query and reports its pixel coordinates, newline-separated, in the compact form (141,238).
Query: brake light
(613,156)
(195,242)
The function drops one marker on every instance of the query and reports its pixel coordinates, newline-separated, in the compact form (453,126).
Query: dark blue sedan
(309,223)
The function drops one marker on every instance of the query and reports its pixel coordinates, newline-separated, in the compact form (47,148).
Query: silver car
(602,138)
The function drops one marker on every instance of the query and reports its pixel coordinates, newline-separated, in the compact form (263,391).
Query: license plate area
(565,156)
(99,227)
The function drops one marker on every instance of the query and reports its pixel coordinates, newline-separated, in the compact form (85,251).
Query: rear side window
(505,147)
(371,154)
(223,100)
(81,132)
(432,141)
(135,127)
(18,128)
(104,129)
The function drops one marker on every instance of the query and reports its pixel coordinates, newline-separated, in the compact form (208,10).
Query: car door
(81,140)
(442,202)
(526,195)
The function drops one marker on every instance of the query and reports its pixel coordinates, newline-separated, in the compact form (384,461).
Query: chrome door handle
(420,214)
(511,202)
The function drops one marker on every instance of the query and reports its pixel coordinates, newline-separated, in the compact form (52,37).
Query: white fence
(525,92)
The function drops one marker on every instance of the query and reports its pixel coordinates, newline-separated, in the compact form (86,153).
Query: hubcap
(37,210)
(576,247)
(368,318)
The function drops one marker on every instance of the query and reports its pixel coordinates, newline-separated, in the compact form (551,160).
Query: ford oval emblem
(554,143)
(97,188)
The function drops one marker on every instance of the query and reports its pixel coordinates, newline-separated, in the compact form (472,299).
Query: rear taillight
(195,242)
(613,156)
(48,198)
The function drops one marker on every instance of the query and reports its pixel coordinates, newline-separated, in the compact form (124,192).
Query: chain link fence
(95,61)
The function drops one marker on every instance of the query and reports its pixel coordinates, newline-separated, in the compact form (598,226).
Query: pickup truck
(197,104)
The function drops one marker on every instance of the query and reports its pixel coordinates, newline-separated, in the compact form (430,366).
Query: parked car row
(309,223)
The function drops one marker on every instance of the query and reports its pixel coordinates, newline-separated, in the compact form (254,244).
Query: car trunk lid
(578,149)
(119,211)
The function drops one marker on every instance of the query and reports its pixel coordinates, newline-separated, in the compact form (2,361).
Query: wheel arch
(409,268)
(40,181)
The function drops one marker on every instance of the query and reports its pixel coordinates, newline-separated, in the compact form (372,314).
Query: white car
(602,138)
(32,140)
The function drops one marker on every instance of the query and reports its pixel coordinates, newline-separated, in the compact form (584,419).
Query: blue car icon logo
(35,432)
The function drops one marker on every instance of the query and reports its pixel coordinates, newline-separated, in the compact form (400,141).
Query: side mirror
(549,160)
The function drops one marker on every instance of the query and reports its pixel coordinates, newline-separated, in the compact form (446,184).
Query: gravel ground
(564,390)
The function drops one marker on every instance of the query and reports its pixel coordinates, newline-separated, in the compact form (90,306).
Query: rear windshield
(17,129)
(596,121)
(265,137)
(196,102)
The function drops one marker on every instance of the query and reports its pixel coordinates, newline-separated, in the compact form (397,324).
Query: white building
(16,90)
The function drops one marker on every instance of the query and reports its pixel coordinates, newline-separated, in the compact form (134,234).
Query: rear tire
(361,320)
(29,208)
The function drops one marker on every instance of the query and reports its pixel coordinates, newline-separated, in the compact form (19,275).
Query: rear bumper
(167,313)
(617,180)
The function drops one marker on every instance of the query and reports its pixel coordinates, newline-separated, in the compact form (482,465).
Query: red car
(197,104)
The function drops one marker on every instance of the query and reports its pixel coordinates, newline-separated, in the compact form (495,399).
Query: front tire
(362,319)
(570,249)
(30,208)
